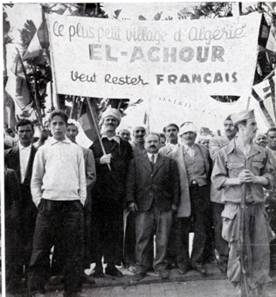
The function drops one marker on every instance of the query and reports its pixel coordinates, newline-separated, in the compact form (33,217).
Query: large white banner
(185,60)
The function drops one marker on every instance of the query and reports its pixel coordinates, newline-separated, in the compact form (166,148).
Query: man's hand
(246,176)
(132,207)
(174,208)
(106,159)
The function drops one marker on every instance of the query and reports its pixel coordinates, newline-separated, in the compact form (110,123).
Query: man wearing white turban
(108,194)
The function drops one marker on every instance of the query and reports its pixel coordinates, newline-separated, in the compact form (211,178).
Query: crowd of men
(67,207)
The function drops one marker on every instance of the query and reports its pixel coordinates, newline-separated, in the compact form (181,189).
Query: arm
(214,147)
(175,184)
(90,169)
(130,183)
(220,177)
(82,178)
(37,176)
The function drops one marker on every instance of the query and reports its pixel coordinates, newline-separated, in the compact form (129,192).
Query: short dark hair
(72,124)
(171,124)
(24,122)
(272,129)
(60,113)
(153,134)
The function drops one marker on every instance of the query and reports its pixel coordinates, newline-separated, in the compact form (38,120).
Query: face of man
(125,135)
(188,138)
(25,134)
(229,129)
(58,127)
(110,124)
(204,142)
(72,132)
(162,141)
(152,144)
(139,134)
(250,129)
(271,137)
(171,134)
(261,140)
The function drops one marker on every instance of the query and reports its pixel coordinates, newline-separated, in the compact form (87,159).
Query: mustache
(153,146)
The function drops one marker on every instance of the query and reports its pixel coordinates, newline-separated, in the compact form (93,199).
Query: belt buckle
(194,183)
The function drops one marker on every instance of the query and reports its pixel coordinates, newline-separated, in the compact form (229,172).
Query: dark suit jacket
(12,198)
(13,162)
(160,186)
(110,185)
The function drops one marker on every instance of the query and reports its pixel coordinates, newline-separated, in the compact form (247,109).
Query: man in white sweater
(59,191)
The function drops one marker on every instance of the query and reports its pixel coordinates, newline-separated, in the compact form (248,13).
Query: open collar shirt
(24,156)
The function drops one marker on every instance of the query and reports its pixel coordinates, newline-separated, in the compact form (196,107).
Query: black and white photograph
(139,149)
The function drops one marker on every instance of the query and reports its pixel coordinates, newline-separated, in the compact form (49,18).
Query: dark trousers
(172,250)
(149,223)
(107,225)
(221,245)
(199,205)
(28,213)
(182,229)
(13,251)
(130,243)
(62,220)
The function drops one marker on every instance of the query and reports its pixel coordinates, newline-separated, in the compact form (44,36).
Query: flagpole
(51,59)
(35,99)
(95,123)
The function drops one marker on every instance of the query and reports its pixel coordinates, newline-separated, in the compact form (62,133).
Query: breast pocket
(234,168)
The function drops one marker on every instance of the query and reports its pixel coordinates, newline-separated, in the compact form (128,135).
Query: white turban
(187,127)
(112,112)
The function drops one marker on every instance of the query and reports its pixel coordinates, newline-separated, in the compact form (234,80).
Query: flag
(264,93)
(39,41)
(271,41)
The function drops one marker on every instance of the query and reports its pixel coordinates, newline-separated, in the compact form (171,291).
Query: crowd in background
(130,200)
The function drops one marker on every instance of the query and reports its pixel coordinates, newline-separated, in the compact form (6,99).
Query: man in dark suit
(20,158)
(153,192)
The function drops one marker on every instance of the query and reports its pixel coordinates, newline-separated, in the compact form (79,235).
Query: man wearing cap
(242,169)
(108,194)
(215,144)
(194,170)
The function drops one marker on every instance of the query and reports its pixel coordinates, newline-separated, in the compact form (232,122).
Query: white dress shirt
(24,156)
(150,157)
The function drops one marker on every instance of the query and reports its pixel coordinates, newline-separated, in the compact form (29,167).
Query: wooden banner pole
(95,123)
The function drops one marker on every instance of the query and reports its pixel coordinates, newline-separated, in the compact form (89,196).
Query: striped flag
(264,92)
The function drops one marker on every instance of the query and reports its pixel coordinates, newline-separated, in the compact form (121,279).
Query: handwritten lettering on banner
(111,58)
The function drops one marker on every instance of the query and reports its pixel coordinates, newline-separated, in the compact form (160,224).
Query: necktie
(152,161)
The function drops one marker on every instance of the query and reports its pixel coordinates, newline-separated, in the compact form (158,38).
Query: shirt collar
(21,147)
(115,138)
(232,147)
(53,141)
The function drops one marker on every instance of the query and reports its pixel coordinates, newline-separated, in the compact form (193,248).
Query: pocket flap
(230,211)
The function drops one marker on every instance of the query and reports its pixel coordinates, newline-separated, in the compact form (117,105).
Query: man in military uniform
(242,169)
